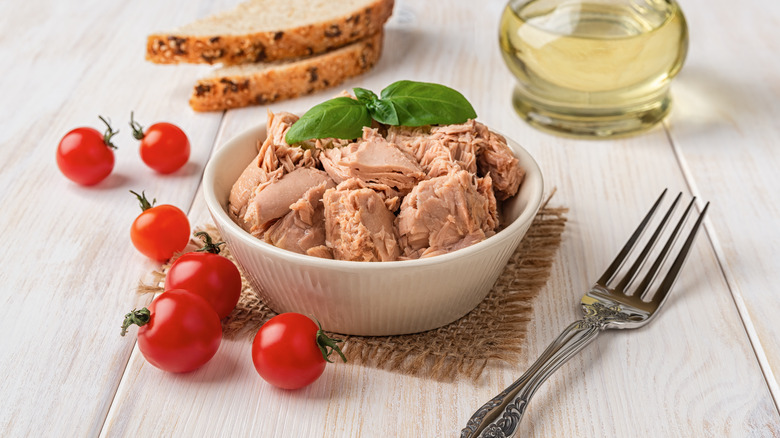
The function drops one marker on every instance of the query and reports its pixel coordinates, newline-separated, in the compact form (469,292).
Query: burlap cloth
(493,332)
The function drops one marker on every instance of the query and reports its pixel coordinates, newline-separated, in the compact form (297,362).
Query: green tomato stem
(138,130)
(108,134)
(328,345)
(145,205)
(208,244)
(137,317)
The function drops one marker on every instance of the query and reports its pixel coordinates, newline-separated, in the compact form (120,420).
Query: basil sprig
(381,110)
(405,103)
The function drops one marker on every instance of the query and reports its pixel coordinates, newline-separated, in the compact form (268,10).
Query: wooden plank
(725,131)
(690,373)
(69,269)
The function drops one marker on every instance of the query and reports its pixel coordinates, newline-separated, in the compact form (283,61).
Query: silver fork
(605,306)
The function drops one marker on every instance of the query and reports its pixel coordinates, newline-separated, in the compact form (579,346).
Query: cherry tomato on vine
(159,232)
(208,274)
(85,156)
(290,351)
(179,332)
(164,146)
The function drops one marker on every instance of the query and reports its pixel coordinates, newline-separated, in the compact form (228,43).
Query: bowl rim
(257,133)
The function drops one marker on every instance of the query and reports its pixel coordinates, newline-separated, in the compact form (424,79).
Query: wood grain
(684,389)
(69,270)
(725,132)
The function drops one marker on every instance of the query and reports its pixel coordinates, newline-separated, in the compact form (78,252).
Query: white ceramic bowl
(368,298)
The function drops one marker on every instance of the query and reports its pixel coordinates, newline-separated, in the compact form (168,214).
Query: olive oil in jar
(593,68)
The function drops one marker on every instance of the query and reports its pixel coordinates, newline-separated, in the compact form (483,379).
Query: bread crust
(307,40)
(286,81)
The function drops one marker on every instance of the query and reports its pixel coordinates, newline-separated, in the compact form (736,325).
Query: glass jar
(593,68)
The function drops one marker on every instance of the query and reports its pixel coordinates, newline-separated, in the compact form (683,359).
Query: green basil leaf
(424,103)
(366,97)
(384,112)
(342,117)
(380,110)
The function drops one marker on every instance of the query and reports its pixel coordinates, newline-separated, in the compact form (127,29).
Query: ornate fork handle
(604,307)
(500,417)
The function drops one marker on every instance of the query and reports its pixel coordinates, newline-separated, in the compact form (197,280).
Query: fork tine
(674,271)
(640,261)
(607,276)
(651,274)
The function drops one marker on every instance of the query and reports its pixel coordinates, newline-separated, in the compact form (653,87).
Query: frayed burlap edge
(494,332)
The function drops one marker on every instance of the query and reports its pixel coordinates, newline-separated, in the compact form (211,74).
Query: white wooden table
(707,367)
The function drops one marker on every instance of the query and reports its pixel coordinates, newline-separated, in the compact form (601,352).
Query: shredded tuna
(390,196)
(409,138)
(373,160)
(462,144)
(302,229)
(321,251)
(244,189)
(274,159)
(494,157)
(319,144)
(439,151)
(444,183)
(497,160)
(358,225)
(469,146)
(485,188)
(443,212)
(273,199)
(276,153)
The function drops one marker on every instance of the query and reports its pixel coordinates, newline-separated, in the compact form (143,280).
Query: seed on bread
(268,30)
(263,83)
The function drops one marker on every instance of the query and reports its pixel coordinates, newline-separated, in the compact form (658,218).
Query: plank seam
(734,290)
(217,136)
(134,352)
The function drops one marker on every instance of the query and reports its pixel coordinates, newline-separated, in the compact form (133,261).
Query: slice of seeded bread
(268,30)
(257,84)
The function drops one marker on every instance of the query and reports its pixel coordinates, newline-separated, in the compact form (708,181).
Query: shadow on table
(708,103)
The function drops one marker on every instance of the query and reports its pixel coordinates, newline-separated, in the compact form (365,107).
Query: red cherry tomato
(84,155)
(159,231)
(290,351)
(179,332)
(208,274)
(164,146)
